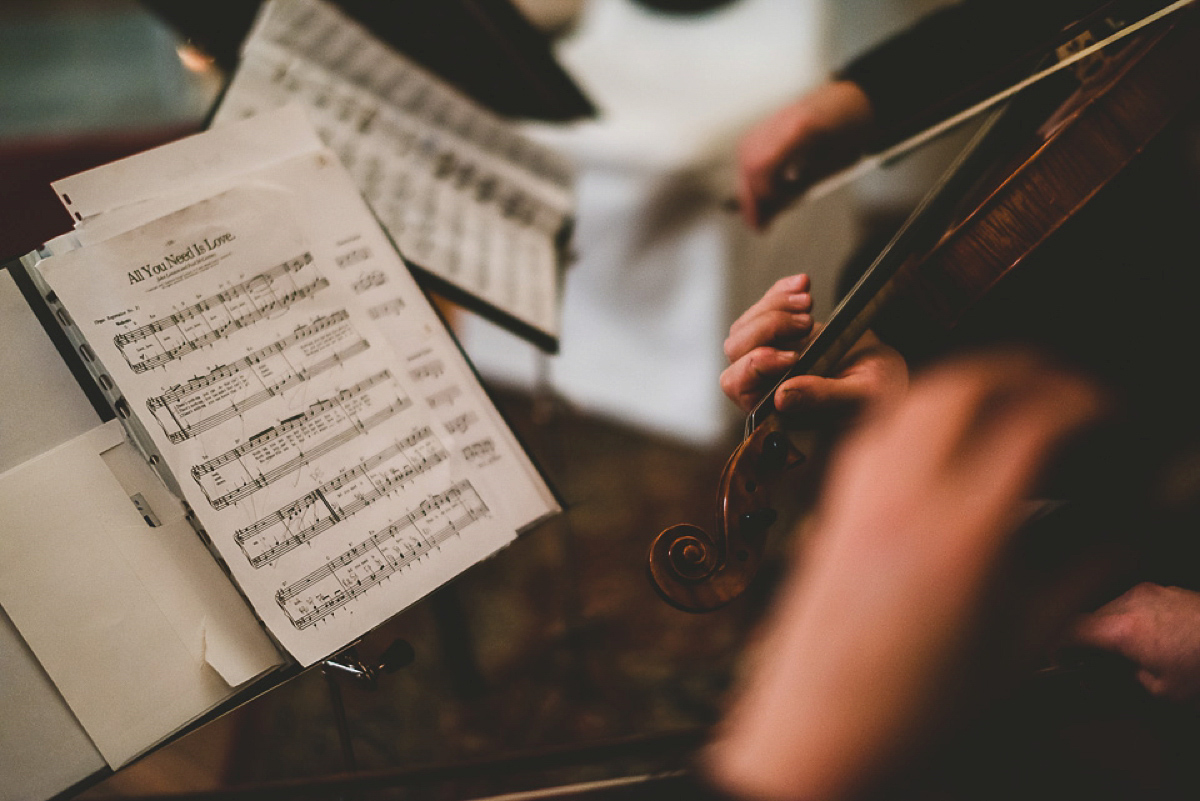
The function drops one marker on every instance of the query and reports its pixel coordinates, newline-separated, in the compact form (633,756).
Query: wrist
(855,110)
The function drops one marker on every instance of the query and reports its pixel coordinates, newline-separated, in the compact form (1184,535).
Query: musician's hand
(765,341)
(869,632)
(871,375)
(1158,629)
(800,143)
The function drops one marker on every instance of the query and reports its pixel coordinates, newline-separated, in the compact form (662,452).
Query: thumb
(811,393)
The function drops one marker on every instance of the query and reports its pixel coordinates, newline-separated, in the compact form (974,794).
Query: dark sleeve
(955,57)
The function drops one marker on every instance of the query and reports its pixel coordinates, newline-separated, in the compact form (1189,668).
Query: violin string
(865,165)
(950,179)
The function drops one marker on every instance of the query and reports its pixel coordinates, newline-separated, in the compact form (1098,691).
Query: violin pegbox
(696,572)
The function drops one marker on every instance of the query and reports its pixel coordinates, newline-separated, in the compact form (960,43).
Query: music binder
(484,212)
(300,449)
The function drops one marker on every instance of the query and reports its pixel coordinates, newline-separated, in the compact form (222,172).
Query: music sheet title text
(172,260)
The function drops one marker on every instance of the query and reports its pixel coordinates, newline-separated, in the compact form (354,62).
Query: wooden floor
(558,646)
(557,642)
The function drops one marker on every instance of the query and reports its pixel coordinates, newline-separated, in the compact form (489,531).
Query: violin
(994,207)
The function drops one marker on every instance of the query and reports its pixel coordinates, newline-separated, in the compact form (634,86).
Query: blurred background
(558,642)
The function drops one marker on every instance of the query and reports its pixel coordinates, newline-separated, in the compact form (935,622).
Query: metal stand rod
(339,717)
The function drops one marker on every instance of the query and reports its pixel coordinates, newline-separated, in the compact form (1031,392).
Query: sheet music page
(192,163)
(462,193)
(316,414)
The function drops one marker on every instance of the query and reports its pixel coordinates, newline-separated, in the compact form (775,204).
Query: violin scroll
(696,572)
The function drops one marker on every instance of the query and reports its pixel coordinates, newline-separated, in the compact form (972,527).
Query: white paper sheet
(318,417)
(160,173)
(188,586)
(115,610)
(462,193)
(43,749)
(43,407)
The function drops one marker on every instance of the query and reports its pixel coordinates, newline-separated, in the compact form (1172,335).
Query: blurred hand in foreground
(919,503)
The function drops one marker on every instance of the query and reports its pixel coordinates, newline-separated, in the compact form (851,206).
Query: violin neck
(881,281)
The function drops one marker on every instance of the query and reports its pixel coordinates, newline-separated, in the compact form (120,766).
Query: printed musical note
(460,424)
(306,436)
(189,409)
(214,317)
(385,553)
(458,189)
(352,257)
(368,281)
(429,370)
(479,450)
(445,397)
(343,496)
(386,309)
(286,447)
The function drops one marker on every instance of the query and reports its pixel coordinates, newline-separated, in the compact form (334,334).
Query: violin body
(980,225)
(1085,143)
